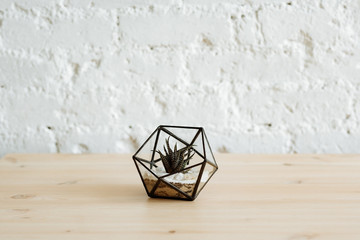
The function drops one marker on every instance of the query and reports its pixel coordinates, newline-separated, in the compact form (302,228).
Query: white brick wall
(100,75)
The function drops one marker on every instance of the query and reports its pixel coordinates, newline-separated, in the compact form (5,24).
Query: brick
(22,33)
(173,29)
(244,67)
(329,142)
(20,72)
(142,66)
(95,31)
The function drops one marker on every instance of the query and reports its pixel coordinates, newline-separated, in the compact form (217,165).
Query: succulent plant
(175,160)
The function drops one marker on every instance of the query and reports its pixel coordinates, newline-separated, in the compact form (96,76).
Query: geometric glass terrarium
(175,162)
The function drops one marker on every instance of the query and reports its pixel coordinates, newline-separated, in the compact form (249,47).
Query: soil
(164,190)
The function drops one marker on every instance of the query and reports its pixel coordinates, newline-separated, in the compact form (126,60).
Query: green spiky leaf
(175,160)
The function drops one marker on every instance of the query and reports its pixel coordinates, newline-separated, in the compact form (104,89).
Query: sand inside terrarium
(183,181)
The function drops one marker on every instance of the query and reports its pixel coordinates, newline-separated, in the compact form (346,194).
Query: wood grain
(100,196)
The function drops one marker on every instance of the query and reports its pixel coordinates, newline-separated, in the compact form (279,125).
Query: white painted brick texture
(100,75)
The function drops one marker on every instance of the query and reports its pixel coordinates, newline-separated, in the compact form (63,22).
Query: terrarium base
(164,190)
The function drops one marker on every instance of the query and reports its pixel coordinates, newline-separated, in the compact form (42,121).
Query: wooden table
(45,196)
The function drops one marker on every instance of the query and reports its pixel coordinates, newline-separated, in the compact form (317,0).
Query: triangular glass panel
(195,160)
(209,155)
(145,153)
(163,148)
(185,180)
(208,172)
(149,179)
(198,143)
(164,190)
(185,135)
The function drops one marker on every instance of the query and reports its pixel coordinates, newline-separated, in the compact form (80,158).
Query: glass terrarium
(175,162)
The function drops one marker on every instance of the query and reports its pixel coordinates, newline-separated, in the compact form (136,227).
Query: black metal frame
(160,179)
